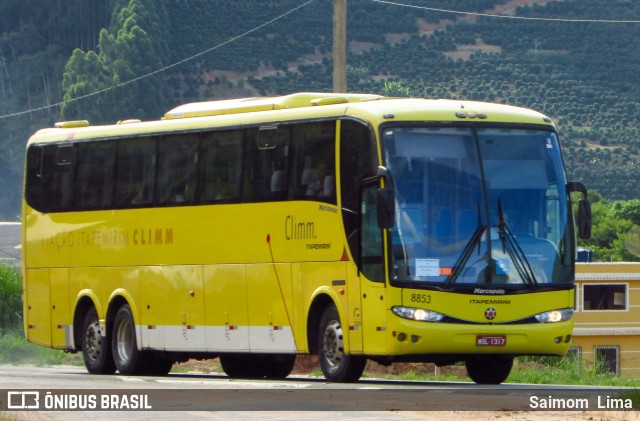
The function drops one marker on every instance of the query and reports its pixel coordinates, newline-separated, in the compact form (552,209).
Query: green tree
(393,88)
(632,242)
(133,47)
(627,209)
(613,237)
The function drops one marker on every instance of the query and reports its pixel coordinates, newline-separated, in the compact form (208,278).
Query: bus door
(61,329)
(372,272)
(37,314)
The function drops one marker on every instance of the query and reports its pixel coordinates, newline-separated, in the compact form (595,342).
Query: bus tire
(489,369)
(278,366)
(96,349)
(158,364)
(336,365)
(240,366)
(126,356)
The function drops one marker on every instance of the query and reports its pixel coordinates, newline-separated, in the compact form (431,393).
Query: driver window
(372,262)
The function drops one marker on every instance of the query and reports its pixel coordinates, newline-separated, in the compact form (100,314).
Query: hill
(581,71)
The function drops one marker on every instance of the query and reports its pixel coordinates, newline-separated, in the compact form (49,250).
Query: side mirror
(584,220)
(386,207)
(386,200)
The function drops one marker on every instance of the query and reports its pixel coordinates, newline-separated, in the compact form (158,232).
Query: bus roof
(248,105)
(306,105)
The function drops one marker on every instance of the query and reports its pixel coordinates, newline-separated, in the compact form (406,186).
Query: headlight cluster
(555,316)
(419,314)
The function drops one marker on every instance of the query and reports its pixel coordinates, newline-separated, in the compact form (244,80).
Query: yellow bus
(348,226)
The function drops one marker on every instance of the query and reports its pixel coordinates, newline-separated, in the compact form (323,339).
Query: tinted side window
(177,165)
(266,165)
(50,177)
(39,177)
(61,192)
(135,172)
(95,175)
(314,165)
(220,173)
(358,160)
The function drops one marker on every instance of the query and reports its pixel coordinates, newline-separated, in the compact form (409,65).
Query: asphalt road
(207,396)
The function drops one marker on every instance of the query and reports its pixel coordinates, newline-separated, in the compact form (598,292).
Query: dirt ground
(307,364)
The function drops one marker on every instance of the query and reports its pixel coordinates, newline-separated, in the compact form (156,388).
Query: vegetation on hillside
(36,40)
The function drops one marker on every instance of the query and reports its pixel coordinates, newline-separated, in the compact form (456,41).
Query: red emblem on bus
(490,313)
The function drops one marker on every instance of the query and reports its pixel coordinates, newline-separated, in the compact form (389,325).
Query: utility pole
(339,45)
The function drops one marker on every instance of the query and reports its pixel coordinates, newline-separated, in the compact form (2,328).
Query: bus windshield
(478,207)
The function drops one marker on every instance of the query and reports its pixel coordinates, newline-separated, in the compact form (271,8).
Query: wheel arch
(85,300)
(118,298)
(321,299)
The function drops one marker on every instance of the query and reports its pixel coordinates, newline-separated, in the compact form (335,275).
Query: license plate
(486,340)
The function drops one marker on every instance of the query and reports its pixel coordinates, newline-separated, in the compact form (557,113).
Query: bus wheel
(126,356)
(336,365)
(96,350)
(239,366)
(489,369)
(158,363)
(277,366)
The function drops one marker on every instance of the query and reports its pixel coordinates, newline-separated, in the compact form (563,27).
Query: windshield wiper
(475,239)
(466,254)
(512,248)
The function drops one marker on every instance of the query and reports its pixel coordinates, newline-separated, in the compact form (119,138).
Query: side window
(61,193)
(371,261)
(313,174)
(40,164)
(177,165)
(135,172)
(50,175)
(94,175)
(358,160)
(220,173)
(266,166)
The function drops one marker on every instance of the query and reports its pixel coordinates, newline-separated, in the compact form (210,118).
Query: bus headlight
(419,314)
(555,316)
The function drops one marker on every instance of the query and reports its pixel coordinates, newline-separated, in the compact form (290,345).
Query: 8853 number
(421,298)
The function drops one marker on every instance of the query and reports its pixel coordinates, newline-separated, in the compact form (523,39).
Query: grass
(14,349)
(530,370)
(564,370)
(11,299)
(413,376)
